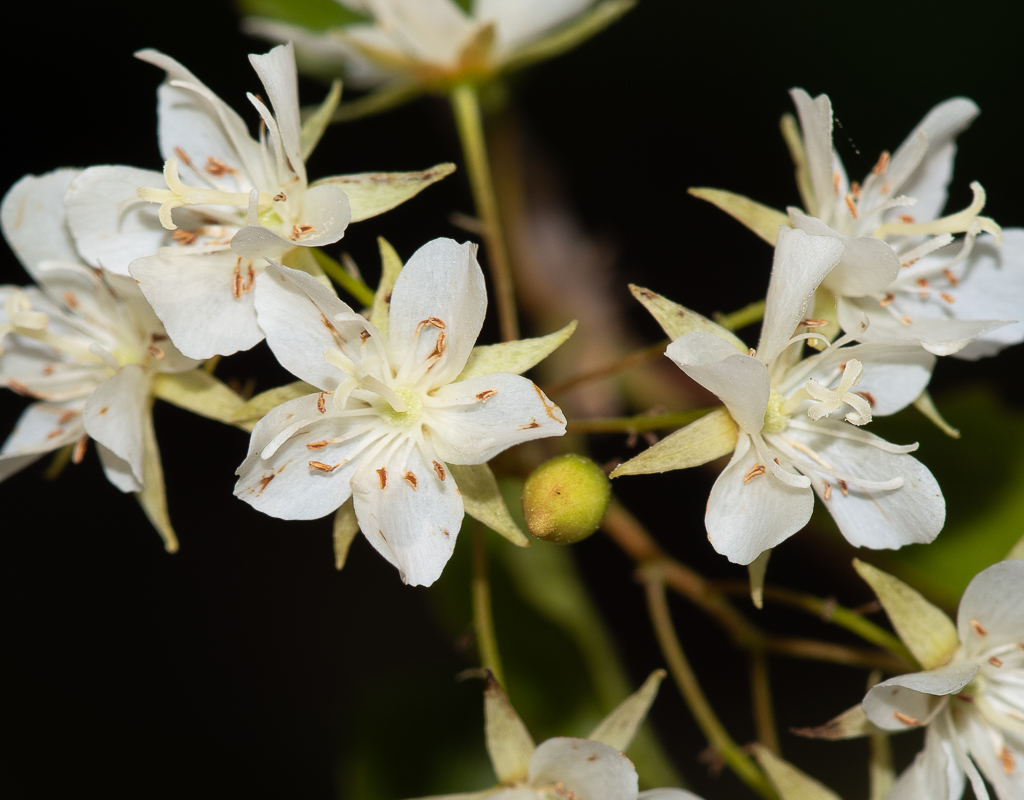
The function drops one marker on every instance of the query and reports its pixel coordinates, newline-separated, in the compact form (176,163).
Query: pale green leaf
(508,742)
(761,219)
(881,773)
(712,436)
(390,266)
(257,407)
(483,501)
(315,124)
(1017,551)
(153,497)
(678,321)
(757,569)
(373,193)
(306,259)
(926,406)
(568,36)
(199,392)
(345,529)
(795,142)
(789,782)
(924,628)
(515,357)
(851,724)
(620,726)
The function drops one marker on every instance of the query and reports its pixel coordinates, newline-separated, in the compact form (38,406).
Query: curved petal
(277,72)
(521,21)
(113,415)
(816,124)
(117,470)
(667,794)
(442,282)
(801,263)
(32,216)
(409,513)
(999,761)
(41,428)
(324,218)
(912,700)
(429,30)
(934,773)
(748,512)
(741,382)
(481,417)
(204,301)
(586,770)
(871,517)
(303,319)
(992,608)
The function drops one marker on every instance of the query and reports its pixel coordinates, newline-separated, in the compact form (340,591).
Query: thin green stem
(761,700)
(641,423)
(483,619)
(466,108)
(60,460)
(337,273)
(747,315)
(719,739)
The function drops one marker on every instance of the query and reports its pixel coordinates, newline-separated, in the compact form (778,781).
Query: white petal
(801,263)
(117,470)
(927,180)
(429,30)
(983,750)
(879,519)
(303,319)
(32,216)
(521,21)
(746,518)
(195,298)
(483,416)
(994,600)
(867,266)
(934,774)
(325,209)
(443,281)
(38,431)
(667,794)
(113,415)
(277,72)
(911,700)
(585,769)
(409,515)
(816,124)
(741,382)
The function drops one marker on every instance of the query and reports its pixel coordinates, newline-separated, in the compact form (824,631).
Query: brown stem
(650,353)
(761,697)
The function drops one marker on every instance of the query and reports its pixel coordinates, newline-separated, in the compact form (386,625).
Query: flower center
(402,419)
(775,420)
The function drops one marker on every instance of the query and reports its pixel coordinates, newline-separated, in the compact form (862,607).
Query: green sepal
(761,219)
(307,259)
(925,629)
(926,406)
(789,782)
(390,266)
(620,726)
(345,529)
(199,392)
(373,193)
(153,497)
(515,357)
(509,743)
(851,724)
(757,569)
(483,501)
(315,124)
(1017,551)
(317,15)
(255,409)
(712,436)
(678,321)
(795,143)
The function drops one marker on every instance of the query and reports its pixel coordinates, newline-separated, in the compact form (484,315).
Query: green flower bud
(566,498)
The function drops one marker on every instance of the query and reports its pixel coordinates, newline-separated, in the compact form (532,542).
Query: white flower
(396,407)
(85,345)
(430,41)
(786,443)
(971,698)
(901,266)
(197,247)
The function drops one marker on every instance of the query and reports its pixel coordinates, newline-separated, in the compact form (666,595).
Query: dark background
(245,665)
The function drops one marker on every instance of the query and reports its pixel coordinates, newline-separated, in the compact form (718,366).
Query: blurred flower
(398,406)
(229,203)
(85,345)
(786,442)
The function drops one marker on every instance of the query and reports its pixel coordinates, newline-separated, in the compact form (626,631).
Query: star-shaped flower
(777,424)
(197,246)
(408,411)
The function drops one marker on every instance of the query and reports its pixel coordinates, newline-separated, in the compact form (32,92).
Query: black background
(245,665)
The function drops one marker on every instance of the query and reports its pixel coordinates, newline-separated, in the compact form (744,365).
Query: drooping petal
(586,769)
(869,517)
(41,428)
(816,124)
(475,420)
(801,263)
(934,773)
(303,319)
(114,413)
(32,216)
(409,513)
(443,283)
(519,22)
(992,608)
(741,382)
(912,700)
(204,301)
(750,510)
(117,470)
(323,219)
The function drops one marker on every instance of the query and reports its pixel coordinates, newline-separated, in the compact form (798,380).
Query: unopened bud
(565,499)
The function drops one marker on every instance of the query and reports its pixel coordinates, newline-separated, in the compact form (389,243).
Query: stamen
(889,297)
(439,470)
(855,190)
(907,720)
(954,281)
(923,285)
(850,204)
(319,466)
(837,180)
(882,165)
(753,472)
(960,222)
(979,628)
(995,662)
(827,493)
(947,297)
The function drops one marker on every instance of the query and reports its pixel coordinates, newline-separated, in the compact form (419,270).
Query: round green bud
(566,498)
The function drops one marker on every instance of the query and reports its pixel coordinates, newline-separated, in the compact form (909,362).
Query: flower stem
(337,273)
(641,423)
(761,699)
(483,619)
(466,108)
(649,353)
(686,680)
(747,315)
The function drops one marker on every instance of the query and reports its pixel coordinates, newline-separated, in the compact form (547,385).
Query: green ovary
(403,419)
(775,421)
